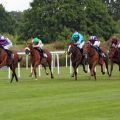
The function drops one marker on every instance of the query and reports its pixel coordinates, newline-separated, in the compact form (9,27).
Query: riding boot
(83,57)
(42,54)
(81,50)
(9,53)
(100,52)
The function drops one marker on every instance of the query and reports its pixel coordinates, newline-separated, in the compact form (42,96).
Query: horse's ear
(26,43)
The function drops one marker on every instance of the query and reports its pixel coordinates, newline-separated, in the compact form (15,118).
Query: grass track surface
(62,98)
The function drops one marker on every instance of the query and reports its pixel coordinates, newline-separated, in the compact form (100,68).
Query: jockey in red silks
(115,42)
(6,44)
(96,43)
(37,43)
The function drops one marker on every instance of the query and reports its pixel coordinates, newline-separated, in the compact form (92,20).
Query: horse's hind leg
(51,71)
(49,64)
(75,73)
(14,75)
(34,70)
(94,74)
(45,69)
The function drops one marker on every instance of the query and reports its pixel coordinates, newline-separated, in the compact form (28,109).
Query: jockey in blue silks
(6,44)
(79,40)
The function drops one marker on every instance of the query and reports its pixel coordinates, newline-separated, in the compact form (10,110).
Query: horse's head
(71,48)
(29,48)
(112,52)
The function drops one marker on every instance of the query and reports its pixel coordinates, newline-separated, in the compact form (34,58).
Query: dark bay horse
(93,59)
(76,58)
(114,56)
(12,63)
(36,59)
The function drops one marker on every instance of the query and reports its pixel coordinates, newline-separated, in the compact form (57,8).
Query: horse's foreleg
(106,65)
(75,70)
(119,67)
(75,73)
(34,70)
(101,65)
(93,73)
(84,68)
(111,68)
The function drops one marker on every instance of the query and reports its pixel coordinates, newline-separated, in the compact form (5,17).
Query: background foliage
(56,19)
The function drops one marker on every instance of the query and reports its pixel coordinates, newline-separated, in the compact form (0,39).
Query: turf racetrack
(62,98)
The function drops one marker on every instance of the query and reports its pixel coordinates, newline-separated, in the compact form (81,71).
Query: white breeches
(41,46)
(118,45)
(96,44)
(8,46)
(81,45)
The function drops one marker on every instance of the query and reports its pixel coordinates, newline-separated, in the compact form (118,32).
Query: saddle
(100,52)
(41,52)
(10,55)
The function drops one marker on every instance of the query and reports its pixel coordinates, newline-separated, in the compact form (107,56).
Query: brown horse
(93,59)
(114,56)
(76,58)
(12,63)
(36,59)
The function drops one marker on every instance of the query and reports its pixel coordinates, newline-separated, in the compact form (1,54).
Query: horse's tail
(20,59)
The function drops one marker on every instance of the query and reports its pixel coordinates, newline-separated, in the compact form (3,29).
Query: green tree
(52,18)
(98,19)
(7,24)
(113,8)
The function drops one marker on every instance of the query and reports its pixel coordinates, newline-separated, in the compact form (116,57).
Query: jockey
(37,43)
(96,43)
(6,44)
(115,42)
(78,39)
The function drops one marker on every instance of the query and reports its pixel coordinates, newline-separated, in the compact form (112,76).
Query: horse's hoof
(47,73)
(85,71)
(103,73)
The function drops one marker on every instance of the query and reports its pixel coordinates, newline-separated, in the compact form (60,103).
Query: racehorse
(36,59)
(114,56)
(12,63)
(76,58)
(93,59)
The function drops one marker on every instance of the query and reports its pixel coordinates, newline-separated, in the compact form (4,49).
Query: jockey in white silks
(96,43)
(6,44)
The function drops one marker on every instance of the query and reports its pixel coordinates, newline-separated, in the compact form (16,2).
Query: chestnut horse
(12,63)
(114,56)
(36,59)
(93,59)
(76,58)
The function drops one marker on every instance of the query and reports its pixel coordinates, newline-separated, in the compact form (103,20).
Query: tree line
(56,19)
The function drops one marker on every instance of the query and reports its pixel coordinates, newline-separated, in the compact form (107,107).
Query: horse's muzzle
(27,51)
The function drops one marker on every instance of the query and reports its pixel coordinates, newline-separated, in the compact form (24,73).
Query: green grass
(62,98)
